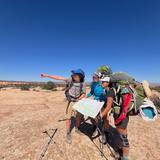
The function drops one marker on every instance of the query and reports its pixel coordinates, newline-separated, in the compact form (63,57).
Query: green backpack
(120,91)
(122,78)
(104,71)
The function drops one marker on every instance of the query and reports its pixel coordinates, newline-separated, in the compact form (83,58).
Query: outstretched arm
(53,77)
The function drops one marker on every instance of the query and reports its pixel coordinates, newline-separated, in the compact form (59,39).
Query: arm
(82,96)
(126,103)
(91,90)
(108,107)
(53,77)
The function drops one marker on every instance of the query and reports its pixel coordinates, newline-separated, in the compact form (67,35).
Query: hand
(120,118)
(98,118)
(43,75)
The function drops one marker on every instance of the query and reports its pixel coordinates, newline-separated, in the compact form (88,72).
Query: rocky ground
(25,115)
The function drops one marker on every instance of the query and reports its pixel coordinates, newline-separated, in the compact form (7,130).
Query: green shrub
(25,87)
(50,86)
(1,87)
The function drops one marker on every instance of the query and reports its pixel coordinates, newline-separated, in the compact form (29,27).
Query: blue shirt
(96,90)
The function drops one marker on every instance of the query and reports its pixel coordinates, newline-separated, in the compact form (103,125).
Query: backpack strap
(68,86)
(134,95)
(118,99)
(81,87)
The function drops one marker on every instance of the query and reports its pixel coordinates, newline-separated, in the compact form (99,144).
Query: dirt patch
(24,116)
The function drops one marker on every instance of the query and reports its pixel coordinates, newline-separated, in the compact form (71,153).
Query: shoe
(78,131)
(124,158)
(68,138)
(94,127)
(95,133)
(103,138)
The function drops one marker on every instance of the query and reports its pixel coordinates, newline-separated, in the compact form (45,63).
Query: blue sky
(55,36)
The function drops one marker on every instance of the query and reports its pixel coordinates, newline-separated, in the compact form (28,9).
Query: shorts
(70,112)
(124,123)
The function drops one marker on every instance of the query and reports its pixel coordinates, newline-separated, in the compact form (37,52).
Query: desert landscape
(25,115)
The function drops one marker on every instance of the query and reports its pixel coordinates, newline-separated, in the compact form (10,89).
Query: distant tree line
(157,88)
(28,85)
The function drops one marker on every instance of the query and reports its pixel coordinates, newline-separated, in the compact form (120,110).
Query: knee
(78,115)
(125,142)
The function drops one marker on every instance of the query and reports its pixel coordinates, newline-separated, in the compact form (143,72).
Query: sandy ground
(25,115)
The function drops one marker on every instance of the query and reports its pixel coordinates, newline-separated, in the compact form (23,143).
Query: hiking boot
(103,138)
(68,138)
(94,127)
(124,158)
(95,133)
(78,131)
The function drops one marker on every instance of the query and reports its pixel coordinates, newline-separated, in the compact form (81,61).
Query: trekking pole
(50,140)
(101,144)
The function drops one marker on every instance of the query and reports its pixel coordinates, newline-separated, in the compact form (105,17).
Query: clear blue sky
(55,36)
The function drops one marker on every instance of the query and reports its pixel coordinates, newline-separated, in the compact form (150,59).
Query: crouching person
(108,97)
(121,122)
(75,90)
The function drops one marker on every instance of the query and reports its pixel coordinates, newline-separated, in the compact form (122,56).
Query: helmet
(96,74)
(79,72)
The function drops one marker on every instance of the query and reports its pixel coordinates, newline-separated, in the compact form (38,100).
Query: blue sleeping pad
(149,112)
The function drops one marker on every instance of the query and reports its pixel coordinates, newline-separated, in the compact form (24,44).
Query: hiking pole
(50,140)
(54,142)
(113,154)
(101,144)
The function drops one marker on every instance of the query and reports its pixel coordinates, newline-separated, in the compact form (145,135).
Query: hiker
(107,96)
(103,73)
(121,121)
(76,90)
(96,87)
(96,90)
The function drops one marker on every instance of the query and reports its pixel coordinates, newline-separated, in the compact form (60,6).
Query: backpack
(103,71)
(122,77)
(69,97)
(124,101)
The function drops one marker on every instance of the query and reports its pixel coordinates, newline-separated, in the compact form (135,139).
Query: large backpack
(69,85)
(104,71)
(125,101)
(120,99)
(122,77)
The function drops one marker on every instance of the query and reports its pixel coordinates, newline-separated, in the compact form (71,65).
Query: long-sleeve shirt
(96,90)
